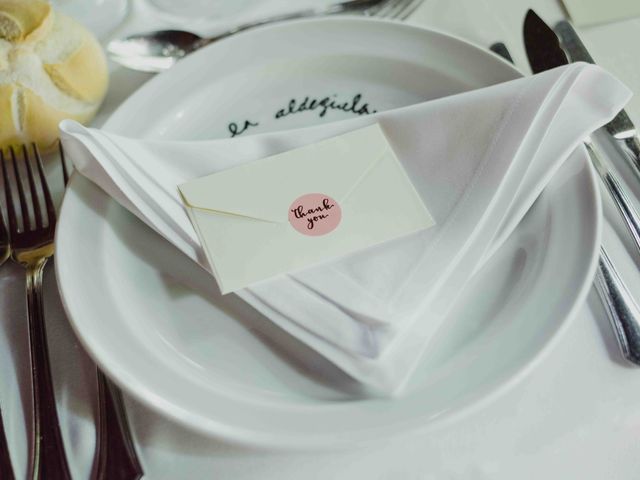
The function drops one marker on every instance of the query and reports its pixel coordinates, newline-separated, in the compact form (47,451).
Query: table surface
(576,415)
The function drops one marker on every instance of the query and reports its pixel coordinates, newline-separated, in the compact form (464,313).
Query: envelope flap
(266,188)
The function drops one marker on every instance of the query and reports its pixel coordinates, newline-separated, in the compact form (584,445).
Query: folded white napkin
(478,160)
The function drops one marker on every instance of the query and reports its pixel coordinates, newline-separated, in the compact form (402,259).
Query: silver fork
(31,232)
(160,50)
(116,456)
(6,470)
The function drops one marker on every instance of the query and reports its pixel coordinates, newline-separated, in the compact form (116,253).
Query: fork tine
(376,9)
(409,8)
(65,172)
(386,11)
(11,210)
(26,224)
(37,214)
(399,8)
(51,211)
(387,7)
(3,227)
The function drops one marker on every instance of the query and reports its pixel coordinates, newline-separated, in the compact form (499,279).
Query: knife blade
(545,52)
(621,129)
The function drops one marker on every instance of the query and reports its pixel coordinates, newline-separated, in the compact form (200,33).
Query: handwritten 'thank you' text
(313,215)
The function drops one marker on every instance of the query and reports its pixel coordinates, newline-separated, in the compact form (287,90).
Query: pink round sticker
(315,214)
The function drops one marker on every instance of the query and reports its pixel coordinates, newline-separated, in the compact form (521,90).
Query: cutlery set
(29,239)
(544,52)
(621,129)
(545,49)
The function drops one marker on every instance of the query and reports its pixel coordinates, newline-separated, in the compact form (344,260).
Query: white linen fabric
(478,160)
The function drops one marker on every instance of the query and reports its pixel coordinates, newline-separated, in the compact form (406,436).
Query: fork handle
(116,454)
(48,459)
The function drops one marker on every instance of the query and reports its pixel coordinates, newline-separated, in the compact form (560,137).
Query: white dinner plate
(216,365)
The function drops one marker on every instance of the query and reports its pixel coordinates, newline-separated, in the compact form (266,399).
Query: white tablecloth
(576,415)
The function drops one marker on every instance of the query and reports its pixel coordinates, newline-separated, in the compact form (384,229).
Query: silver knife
(544,52)
(621,129)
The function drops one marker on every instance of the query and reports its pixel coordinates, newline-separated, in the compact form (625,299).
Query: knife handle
(631,148)
(571,42)
(621,128)
(623,203)
(621,308)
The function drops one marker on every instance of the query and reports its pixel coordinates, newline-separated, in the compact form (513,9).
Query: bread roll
(51,68)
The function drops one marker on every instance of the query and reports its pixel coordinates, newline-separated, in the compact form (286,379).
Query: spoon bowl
(159,44)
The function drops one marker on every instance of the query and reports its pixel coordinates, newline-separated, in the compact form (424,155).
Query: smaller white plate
(216,365)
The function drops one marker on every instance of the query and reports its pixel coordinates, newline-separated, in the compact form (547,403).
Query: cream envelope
(302,207)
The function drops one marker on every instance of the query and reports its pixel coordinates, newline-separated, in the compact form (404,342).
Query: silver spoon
(160,50)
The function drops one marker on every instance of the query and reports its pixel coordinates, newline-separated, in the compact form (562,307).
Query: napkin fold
(478,160)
